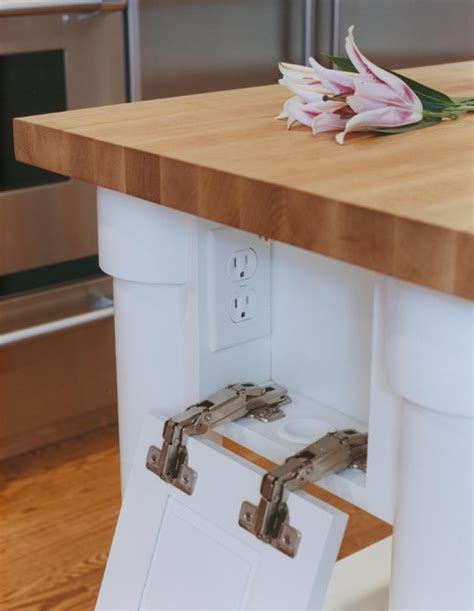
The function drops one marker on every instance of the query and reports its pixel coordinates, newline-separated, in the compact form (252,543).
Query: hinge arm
(226,405)
(330,454)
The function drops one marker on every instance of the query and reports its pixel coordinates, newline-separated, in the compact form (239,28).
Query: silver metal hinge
(269,521)
(231,403)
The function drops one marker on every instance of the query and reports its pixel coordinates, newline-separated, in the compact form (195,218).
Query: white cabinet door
(174,551)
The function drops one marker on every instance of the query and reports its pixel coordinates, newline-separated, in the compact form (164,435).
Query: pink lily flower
(311,93)
(332,100)
(380,99)
(303,83)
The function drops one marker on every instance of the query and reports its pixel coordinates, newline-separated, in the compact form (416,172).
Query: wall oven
(55,308)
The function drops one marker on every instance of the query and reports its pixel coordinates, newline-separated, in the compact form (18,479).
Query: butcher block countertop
(401,205)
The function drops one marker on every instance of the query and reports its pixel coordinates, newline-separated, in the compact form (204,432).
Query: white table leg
(148,249)
(429,357)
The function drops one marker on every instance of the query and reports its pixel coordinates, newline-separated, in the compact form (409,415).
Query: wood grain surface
(401,205)
(58,509)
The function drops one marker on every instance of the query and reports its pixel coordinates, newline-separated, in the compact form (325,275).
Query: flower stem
(451,112)
(464,108)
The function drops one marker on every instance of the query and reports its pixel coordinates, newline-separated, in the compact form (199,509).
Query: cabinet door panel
(173,551)
(176,581)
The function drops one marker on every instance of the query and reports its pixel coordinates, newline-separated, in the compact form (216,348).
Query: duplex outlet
(238,287)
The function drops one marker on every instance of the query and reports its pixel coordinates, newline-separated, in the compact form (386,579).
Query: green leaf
(426,93)
(405,128)
(430,98)
(343,63)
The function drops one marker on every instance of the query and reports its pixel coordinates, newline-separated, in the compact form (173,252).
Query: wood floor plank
(58,508)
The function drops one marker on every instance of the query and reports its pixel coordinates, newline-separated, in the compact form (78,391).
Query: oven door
(52,62)
(57,364)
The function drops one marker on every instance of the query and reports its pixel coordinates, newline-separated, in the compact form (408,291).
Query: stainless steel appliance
(54,55)
(188,46)
(403,33)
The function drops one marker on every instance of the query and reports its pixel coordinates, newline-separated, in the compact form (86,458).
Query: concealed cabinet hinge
(231,403)
(269,522)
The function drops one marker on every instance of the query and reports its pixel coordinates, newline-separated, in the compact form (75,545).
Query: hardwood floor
(58,508)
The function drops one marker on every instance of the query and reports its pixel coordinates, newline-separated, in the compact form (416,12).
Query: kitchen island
(361,294)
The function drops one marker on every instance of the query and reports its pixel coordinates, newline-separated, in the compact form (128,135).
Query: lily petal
(324,106)
(360,103)
(375,73)
(387,116)
(381,93)
(309,93)
(295,109)
(335,81)
(296,72)
(327,122)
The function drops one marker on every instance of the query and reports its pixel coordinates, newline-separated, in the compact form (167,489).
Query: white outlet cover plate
(222,243)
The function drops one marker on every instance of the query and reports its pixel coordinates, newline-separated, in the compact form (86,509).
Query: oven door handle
(30,7)
(55,325)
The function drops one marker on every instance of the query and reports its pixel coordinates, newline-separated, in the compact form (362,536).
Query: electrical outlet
(238,287)
(242,264)
(243,305)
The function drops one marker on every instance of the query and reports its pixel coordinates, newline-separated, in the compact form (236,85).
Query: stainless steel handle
(336,27)
(18,335)
(30,7)
(37,313)
(309,28)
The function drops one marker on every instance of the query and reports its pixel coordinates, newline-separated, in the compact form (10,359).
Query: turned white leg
(148,249)
(429,359)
